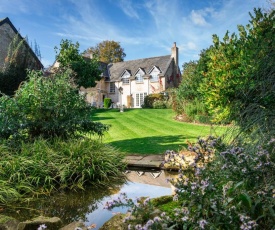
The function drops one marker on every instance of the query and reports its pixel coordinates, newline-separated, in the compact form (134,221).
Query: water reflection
(88,205)
(140,183)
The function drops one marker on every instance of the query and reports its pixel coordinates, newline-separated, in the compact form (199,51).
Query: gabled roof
(154,67)
(138,70)
(7,21)
(117,69)
(127,71)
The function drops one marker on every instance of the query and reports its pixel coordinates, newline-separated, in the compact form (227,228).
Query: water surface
(88,205)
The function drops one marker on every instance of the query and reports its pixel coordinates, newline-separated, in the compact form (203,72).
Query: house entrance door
(140,99)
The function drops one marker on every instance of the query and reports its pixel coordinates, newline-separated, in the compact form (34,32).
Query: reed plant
(44,166)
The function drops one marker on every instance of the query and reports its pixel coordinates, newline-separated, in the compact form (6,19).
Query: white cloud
(127,7)
(157,23)
(192,46)
(19,6)
(198,18)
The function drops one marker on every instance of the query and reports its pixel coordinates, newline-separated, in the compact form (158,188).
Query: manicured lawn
(149,131)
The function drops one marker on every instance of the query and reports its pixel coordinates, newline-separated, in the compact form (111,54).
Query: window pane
(137,99)
(112,87)
(154,77)
(125,80)
(139,78)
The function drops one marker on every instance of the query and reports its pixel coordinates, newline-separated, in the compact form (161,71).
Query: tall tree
(239,84)
(107,51)
(86,70)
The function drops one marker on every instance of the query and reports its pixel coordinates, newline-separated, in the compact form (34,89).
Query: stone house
(7,34)
(128,82)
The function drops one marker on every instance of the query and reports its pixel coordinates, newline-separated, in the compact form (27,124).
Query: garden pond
(88,206)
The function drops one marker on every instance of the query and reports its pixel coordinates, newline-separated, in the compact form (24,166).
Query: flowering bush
(142,215)
(233,190)
(226,187)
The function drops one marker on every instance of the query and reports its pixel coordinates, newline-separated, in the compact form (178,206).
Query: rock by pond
(8,223)
(49,223)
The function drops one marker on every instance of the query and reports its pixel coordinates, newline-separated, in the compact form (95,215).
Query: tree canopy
(241,70)
(86,70)
(234,77)
(107,51)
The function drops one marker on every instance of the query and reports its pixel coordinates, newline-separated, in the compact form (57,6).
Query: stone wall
(6,36)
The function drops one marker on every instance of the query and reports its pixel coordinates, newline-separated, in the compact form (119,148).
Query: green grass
(149,131)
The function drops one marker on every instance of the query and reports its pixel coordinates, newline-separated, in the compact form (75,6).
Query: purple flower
(163,214)
(202,223)
(146,201)
(185,218)
(149,223)
(157,219)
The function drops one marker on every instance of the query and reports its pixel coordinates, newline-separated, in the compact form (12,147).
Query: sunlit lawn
(149,131)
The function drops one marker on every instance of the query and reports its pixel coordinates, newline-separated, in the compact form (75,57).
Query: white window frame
(154,72)
(126,77)
(140,99)
(155,77)
(139,78)
(125,80)
(112,87)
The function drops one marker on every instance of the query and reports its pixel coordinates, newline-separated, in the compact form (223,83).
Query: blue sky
(144,28)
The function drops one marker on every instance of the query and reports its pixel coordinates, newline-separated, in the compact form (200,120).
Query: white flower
(202,223)
(42,226)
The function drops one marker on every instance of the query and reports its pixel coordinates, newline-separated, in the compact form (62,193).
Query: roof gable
(116,70)
(140,71)
(155,69)
(7,21)
(126,73)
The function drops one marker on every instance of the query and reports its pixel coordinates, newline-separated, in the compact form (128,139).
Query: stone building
(7,34)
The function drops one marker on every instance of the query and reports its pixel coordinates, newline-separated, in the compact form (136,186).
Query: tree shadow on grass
(153,144)
(95,115)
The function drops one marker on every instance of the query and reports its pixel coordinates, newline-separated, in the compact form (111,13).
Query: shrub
(47,107)
(235,187)
(224,187)
(159,104)
(142,213)
(149,100)
(45,166)
(107,103)
(195,111)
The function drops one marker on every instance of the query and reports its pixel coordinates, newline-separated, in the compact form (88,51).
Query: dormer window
(154,77)
(154,72)
(125,78)
(139,75)
(139,78)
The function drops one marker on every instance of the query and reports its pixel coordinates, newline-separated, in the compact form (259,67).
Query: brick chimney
(175,53)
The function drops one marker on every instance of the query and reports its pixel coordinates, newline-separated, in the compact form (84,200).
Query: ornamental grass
(43,167)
